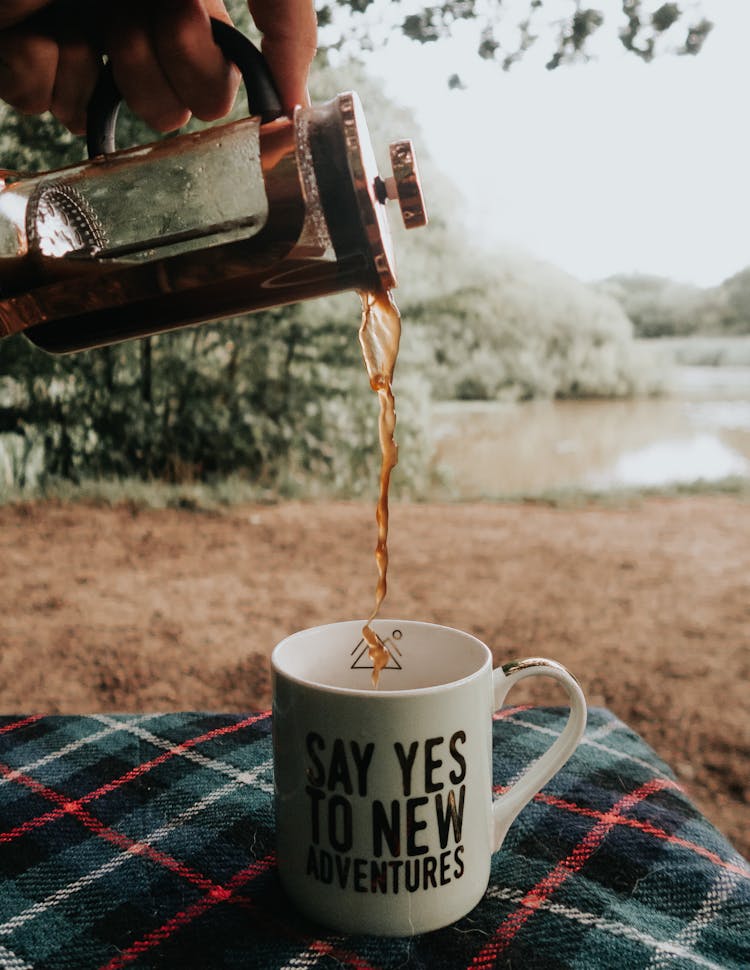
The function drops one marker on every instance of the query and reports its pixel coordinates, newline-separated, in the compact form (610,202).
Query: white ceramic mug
(384,810)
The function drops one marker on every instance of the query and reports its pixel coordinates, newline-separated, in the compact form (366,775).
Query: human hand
(164,59)
(290,31)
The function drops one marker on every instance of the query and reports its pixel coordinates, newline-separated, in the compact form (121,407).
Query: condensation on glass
(200,226)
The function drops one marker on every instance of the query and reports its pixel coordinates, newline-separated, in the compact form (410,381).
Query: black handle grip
(262,96)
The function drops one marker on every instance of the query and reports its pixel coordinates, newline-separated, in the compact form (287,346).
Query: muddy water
(702,431)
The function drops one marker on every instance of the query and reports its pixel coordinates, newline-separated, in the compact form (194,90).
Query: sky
(614,166)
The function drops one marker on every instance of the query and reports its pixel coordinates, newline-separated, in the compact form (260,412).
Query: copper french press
(255,213)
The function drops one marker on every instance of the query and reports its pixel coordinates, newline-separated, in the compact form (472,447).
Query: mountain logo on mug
(362,658)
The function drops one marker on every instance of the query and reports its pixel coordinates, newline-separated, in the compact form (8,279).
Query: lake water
(700,432)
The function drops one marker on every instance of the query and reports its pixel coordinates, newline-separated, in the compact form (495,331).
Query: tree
(278,397)
(281,397)
(657,307)
(660,307)
(506,29)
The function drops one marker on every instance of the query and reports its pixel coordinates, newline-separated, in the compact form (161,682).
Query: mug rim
(373,693)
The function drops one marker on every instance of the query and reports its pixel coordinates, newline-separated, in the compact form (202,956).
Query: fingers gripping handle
(507,806)
(262,96)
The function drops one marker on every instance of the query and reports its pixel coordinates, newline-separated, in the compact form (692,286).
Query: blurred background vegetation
(279,401)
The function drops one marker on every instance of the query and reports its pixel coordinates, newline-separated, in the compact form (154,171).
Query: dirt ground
(118,609)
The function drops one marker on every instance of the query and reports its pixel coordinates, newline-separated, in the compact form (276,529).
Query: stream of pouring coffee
(379,338)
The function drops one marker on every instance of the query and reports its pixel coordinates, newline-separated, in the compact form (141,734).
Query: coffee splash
(379,338)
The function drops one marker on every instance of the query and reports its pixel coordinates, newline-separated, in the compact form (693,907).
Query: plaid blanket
(148,841)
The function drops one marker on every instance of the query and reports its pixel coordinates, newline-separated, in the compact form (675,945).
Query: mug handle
(506,807)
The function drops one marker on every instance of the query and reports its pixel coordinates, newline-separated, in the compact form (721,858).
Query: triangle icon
(362,658)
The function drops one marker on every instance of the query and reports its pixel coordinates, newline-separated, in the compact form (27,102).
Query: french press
(238,217)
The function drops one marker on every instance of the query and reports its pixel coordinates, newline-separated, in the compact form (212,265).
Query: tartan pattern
(147,841)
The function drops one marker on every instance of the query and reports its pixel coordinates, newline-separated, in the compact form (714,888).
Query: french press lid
(373,191)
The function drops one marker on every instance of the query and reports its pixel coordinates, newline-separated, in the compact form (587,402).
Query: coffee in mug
(385,817)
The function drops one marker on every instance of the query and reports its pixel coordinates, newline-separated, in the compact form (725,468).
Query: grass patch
(214,498)
(201,496)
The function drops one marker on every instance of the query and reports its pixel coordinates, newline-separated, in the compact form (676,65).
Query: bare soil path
(121,609)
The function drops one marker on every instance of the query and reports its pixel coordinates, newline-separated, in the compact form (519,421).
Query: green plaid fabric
(148,841)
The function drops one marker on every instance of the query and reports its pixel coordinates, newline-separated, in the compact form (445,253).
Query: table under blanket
(147,840)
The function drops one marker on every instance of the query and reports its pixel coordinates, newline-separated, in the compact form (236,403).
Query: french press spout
(241,216)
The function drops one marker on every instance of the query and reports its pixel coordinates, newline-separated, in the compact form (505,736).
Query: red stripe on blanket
(68,806)
(110,786)
(567,867)
(647,828)
(173,752)
(507,711)
(14,725)
(218,894)
(324,948)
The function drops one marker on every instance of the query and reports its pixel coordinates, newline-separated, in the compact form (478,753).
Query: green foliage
(505,34)
(643,29)
(493,326)
(29,143)
(279,399)
(656,306)
(659,307)
(732,300)
(526,330)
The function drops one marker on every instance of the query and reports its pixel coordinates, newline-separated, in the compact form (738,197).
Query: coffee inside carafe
(202,226)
